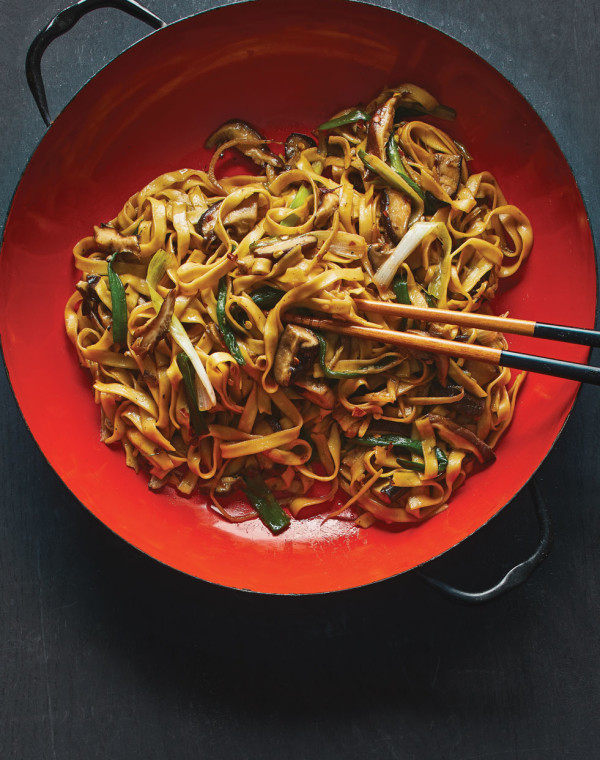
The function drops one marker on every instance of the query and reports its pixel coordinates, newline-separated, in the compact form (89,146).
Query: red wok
(284,67)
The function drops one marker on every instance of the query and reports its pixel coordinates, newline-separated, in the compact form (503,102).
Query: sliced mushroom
(110,239)
(447,170)
(330,201)
(147,336)
(395,214)
(216,336)
(205,226)
(296,353)
(240,220)
(356,180)
(469,406)
(295,144)
(380,128)
(92,307)
(250,143)
(378,253)
(317,391)
(243,217)
(391,494)
(484,452)
(277,247)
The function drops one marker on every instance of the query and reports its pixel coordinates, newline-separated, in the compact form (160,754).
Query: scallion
(228,334)
(119,304)
(402,442)
(269,510)
(349,117)
(197,419)
(341,374)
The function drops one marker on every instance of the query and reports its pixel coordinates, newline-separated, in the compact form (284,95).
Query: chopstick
(483,322)
(555,367)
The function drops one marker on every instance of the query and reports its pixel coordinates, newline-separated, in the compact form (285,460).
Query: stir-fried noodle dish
(197,314)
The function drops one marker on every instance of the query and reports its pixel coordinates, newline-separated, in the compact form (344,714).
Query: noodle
(211,382)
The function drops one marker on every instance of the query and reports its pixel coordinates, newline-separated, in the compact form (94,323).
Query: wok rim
(230,8)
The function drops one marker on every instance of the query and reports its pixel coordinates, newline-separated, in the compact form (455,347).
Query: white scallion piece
(415,235)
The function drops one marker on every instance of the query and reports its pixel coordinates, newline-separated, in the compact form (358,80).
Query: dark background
(104,653)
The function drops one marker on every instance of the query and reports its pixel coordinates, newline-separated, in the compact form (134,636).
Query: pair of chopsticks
(556,367)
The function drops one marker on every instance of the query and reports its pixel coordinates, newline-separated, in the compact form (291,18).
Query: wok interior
(149,112)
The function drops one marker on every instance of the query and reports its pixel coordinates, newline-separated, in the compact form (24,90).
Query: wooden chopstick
(483,322)
(556,367)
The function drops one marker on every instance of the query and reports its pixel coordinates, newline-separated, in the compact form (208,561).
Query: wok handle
(518,574)
(61,23)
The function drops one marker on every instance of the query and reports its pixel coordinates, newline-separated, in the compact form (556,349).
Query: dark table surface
(107,654)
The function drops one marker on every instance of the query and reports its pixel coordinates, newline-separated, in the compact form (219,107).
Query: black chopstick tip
(582,373)
(567,334)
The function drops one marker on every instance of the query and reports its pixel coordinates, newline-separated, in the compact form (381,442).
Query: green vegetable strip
(267,297)
(398,166)
(119,304)
(269,510)
(400,288)
(401,442)
(347,118)
(395,180)
(335,374)
(227,332)
(408,464)
(431,301)
(197,419)
(304,192)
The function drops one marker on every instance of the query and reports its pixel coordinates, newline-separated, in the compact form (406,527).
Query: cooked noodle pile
(181,316)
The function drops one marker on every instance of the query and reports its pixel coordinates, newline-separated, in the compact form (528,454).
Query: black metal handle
(61,23)
(518,574)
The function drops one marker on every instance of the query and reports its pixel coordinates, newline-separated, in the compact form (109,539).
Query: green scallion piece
(342,375)
(226,331)
(402,442)
(197,419)
(408,464)
(267,297)
(400,288)
(269,509)
(395,180)
(304,192)
(350,117)
(119,304)
(431,300)
(398,166)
